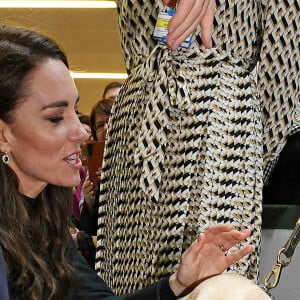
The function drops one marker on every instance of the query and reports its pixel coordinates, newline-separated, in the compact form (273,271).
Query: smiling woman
(54,148)
(40,138)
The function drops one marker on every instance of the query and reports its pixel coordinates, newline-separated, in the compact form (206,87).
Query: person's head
(99,118)
(227,286)
(40,131)
(40,145)
(111,90)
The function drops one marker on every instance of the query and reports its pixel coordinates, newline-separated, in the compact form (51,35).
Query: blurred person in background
(99,119)
(112,90)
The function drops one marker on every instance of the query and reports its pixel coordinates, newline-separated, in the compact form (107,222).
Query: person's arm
(91,286)
(159,290)
(207,256)
(189,14)
(88,195)
(89,216)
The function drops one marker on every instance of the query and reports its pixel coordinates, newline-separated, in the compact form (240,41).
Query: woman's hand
(188,15)
(74,231)
(88,193)
(88,188)
(98,173)
(207,256)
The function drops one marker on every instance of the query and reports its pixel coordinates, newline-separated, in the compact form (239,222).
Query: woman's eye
(55,119)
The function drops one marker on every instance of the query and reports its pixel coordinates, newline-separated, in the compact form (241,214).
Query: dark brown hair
(102,107)
(84,119)
(111,85)
(35,246)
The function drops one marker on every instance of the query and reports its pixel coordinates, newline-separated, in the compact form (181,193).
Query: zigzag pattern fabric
(187,142)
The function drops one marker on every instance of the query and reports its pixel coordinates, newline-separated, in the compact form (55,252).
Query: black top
(90,286)
(89,220)
(3,278)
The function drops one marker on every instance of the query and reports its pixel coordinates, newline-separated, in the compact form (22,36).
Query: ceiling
(90,38)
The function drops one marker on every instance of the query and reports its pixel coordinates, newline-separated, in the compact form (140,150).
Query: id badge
(161,28)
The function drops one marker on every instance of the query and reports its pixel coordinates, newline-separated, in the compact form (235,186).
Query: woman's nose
(85,135)
(79,133)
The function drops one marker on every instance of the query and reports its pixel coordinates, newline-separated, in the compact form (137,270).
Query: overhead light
(83,75)
(57,4)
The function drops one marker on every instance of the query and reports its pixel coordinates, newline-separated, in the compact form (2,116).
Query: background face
(112,93)
(101,133)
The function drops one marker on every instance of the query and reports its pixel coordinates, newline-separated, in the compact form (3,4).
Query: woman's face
(45,136)
(101,122)
(112,93)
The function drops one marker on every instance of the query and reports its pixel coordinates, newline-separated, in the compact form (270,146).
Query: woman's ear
(4,134)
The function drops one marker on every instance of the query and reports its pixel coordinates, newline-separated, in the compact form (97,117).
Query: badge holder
(161,28)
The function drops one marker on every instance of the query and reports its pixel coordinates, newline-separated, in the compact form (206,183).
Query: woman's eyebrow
(61,103)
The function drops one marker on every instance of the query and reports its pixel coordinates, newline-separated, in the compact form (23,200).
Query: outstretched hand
(207,256)
(188,15)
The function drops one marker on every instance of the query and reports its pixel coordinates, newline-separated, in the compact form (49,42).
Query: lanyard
(284,257)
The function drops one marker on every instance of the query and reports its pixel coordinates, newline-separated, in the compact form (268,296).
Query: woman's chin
(70,182)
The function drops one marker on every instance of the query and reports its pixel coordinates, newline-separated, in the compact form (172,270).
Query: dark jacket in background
(3,278)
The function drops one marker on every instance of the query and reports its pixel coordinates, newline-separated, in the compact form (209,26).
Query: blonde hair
(227,287)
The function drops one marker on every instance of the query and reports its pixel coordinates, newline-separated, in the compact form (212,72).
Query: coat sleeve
(3,278)
(159,290)
(91,286)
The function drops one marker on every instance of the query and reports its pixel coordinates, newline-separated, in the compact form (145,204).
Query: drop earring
(5,158)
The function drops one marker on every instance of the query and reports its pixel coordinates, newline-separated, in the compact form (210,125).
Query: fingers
(189,14)
(182,23)
(221,235)
(237,255)
(206,24)
(233,237)
(87,184)
(225,237)
(73,230)
(193,250)
(88,189)
(216,229)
